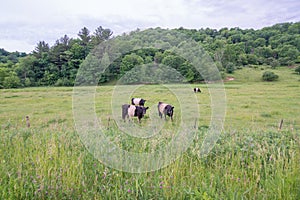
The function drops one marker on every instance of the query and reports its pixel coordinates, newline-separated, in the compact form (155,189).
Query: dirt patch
(229,79)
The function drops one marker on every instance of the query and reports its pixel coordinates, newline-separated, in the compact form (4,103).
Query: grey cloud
(53,24)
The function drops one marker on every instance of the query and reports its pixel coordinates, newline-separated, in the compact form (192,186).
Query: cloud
(32,21)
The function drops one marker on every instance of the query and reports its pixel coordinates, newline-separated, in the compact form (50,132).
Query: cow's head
(142,102)
(141,111)
(169,110)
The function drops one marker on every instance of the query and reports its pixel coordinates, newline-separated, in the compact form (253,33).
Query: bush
(27,82)
(63,82)
(274,63)
(297,70)
(269,76)
(12,81)
(230,68)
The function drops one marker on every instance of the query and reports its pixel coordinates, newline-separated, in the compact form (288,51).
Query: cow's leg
(159,114)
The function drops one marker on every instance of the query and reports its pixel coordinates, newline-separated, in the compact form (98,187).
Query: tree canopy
(229,49)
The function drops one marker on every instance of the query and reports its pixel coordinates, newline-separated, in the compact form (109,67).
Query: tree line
(229,48)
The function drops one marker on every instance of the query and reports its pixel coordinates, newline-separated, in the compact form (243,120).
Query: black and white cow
(138,101)
(133,111)
(165,109)
(197,90)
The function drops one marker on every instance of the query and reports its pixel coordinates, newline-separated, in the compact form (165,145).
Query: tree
(259,42)
(85,38)
(101,35)
(42,47)
(27,69)
(274,63)
(84,35)
(59,55)
(12,81)
(59,64)
(3,74)
(269,76)
(232,52)
(287,53)
(252,59)
(129,62)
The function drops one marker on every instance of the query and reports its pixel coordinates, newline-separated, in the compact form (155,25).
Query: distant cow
(138,101)
(197,90)
(133,111)
(165,109)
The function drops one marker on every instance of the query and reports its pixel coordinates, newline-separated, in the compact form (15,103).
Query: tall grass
(251,159)
(52,163)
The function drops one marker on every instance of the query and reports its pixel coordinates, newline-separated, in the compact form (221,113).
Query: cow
(133,111)
(138,101)
(197,90)
(165,109)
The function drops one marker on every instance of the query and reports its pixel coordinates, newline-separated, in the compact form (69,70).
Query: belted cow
(133,111)
(197,90)
(165,109)
(138,101)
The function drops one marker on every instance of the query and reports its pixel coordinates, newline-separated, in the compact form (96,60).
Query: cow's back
(161,107)
(131,110)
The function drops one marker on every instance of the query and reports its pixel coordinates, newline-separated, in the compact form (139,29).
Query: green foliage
(287,53)
(269,76)
(49,65)
(274,63)
(297,70)
(252,59)
(130,61)
(27,82)
(3,74)
(230,68)
(12,81)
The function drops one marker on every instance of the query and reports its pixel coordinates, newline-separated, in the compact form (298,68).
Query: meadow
(251,159)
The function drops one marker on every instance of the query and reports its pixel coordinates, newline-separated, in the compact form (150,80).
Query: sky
(23,23)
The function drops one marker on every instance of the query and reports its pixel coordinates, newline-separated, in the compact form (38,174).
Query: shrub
(12,81)
(269,76)
(27,82)
(297,70)
(63,82)
(230,68)
(274,63)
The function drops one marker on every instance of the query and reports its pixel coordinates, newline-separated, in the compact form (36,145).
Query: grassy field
(251,160)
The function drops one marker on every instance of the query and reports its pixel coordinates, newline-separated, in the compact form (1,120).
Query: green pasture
(252,159)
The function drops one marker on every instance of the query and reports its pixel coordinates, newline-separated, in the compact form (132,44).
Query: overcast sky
(26,22)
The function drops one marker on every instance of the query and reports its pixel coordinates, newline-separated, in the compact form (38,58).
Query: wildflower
(271,158)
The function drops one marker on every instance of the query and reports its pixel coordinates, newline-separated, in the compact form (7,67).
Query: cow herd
(138,109)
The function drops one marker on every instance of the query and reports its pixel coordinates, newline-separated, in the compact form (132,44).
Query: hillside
(229,49)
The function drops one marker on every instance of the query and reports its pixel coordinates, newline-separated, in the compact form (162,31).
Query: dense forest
(230,49)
